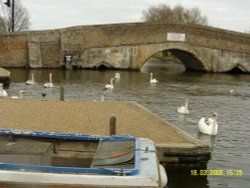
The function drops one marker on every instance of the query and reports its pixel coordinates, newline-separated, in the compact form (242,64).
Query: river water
(206,92)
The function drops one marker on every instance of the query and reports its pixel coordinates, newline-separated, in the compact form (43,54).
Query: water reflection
(209,140)
(183,176)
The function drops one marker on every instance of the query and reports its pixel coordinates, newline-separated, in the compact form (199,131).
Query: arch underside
(189,60)
(103,65)
(238,69)
(100,66)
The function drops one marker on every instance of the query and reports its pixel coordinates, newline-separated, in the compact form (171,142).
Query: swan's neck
(20,95)
(102,98)
(32,78)
(111,82)
(186,104)
(50,78)
(151,76)
(214,124)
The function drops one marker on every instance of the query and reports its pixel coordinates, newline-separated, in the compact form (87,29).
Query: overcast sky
(49,14)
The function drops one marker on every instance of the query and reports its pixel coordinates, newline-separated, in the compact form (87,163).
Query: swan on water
(184,109)
(152,80)
(210,126)
(32,81)
(20,95)
(117,76)
(111,85)
(231,91)
(50,83)
(3,93)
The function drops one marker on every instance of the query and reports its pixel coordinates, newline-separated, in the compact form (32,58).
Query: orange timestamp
(217,172)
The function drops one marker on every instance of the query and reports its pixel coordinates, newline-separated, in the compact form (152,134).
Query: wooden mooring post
(112,125)
(61,93)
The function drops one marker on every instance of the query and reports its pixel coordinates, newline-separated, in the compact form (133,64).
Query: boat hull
(145,171)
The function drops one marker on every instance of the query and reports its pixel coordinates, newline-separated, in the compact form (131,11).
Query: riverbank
(87,117)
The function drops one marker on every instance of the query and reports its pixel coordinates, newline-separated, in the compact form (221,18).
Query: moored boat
(50,159)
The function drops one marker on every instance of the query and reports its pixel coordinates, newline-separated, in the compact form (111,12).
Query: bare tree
(21,17)
(2,24)
(157,14)
(164,13)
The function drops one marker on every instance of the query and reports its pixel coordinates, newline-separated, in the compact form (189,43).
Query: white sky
(50,14)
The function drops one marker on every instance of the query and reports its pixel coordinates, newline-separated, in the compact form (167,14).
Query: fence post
(112,125)
(61,93)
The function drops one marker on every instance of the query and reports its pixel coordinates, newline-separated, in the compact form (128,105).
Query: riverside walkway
(89,117)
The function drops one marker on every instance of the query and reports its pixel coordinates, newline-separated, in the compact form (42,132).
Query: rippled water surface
(207,93)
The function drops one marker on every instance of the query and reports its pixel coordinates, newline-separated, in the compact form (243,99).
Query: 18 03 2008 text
(217,172)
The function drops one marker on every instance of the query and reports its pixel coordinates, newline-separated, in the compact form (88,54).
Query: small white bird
(184,109)
(50,83)
(152,80)
(31,81)
(210,127)
(3,93)
(231,91)
(117,76)
(111,85)
(20,95)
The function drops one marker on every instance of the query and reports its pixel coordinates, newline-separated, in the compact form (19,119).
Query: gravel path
(87,117)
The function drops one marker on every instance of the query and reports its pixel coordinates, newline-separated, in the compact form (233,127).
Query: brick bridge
(127,46)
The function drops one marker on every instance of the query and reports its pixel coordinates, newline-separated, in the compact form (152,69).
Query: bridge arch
(191,59)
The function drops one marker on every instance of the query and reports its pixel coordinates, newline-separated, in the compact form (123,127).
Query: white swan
(111,85)
(211,127)
(117,76)
(184,109)
(32,81)
(231,91)
(3,93)
(49,84)
(20,95)
(152,80)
